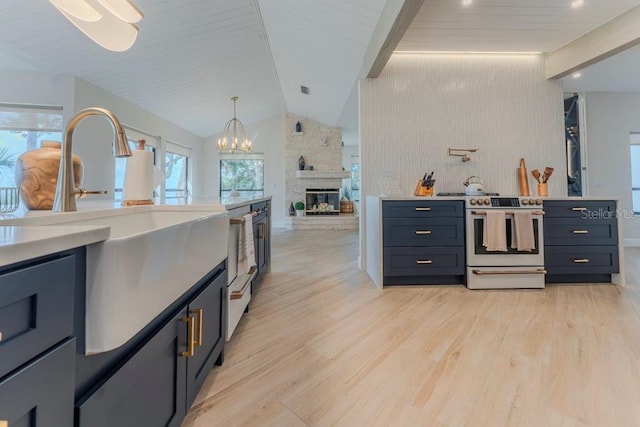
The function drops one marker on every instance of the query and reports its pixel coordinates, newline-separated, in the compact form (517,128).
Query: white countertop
(23,243)
(23,235)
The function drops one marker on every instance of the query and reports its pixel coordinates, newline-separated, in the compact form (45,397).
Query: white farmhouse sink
(154,255)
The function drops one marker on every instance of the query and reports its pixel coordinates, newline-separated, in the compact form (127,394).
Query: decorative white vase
(299,213)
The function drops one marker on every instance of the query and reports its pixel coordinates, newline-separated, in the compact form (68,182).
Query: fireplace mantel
(323,175)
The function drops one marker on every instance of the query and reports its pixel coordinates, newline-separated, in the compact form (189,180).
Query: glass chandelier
(234,137)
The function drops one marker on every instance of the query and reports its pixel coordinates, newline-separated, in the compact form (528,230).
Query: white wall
(31,87)
(610,119)
(268,137)
(423,104)
(93,138)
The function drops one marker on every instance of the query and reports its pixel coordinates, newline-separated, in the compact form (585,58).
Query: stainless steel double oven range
(510,269)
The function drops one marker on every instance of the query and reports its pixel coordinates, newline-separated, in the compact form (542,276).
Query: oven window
(481,250)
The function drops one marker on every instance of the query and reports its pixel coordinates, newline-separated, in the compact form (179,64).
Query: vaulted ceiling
(192,56)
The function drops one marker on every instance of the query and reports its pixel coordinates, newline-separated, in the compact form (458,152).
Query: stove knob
(525,202)
(486,202)
(472,201)
(538,202)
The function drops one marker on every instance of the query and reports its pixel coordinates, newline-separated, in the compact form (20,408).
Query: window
(133,135)
(355,178)
(22,128)
(635,172)
(176,171)
(242,172)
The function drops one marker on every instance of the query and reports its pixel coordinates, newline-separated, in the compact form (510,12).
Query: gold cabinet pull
(425,261)
(263,230)
(4,423)
(580,231)
(581,260)
(423,209)
(191,341)
(579,209)
(198,311)
(423,232)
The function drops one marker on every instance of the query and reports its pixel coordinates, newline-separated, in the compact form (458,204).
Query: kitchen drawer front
(36,310)
(568,231)
(422,209)
(591,209)
(423,232)
(581,259)
(415,261)
(40,394)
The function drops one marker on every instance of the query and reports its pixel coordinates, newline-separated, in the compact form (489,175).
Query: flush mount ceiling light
(234,137)
(467,2)
(114,27)
(577,3)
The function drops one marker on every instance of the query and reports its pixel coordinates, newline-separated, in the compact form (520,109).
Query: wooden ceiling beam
(395,19)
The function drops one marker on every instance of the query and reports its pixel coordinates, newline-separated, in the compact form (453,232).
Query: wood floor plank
(321,345)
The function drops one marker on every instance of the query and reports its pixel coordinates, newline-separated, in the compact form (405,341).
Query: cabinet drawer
(423,232)
(581,259)
(422,209)
(36,310)
(416,261)
(569,231)
(40,394)
(591,209)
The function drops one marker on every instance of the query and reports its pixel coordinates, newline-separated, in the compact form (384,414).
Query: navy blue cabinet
(148,389)
(209,311)
(37,350)
(262,240)
(580,241)
(423,242)
(40,393)
(157,382)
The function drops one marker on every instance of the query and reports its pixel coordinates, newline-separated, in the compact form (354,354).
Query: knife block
(421,190)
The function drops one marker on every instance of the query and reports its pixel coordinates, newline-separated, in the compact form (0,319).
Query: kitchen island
(149,380)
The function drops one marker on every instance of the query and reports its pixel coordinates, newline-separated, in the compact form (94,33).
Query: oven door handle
(484,213)
(501,272)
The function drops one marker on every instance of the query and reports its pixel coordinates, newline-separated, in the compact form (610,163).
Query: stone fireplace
(318,184)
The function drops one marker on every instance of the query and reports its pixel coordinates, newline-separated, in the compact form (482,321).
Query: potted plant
(299,208)
(346,205)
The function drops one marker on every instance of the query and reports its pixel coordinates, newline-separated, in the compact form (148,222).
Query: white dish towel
(246,251)
(494,231)
(522,237)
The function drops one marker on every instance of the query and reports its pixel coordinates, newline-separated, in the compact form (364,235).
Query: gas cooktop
(463,194)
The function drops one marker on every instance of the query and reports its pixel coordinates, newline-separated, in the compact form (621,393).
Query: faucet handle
(82,192)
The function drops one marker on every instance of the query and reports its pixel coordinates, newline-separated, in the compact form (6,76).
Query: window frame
(224,193)
(184,151)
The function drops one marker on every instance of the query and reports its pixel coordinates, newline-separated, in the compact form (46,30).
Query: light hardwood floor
(322,346)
